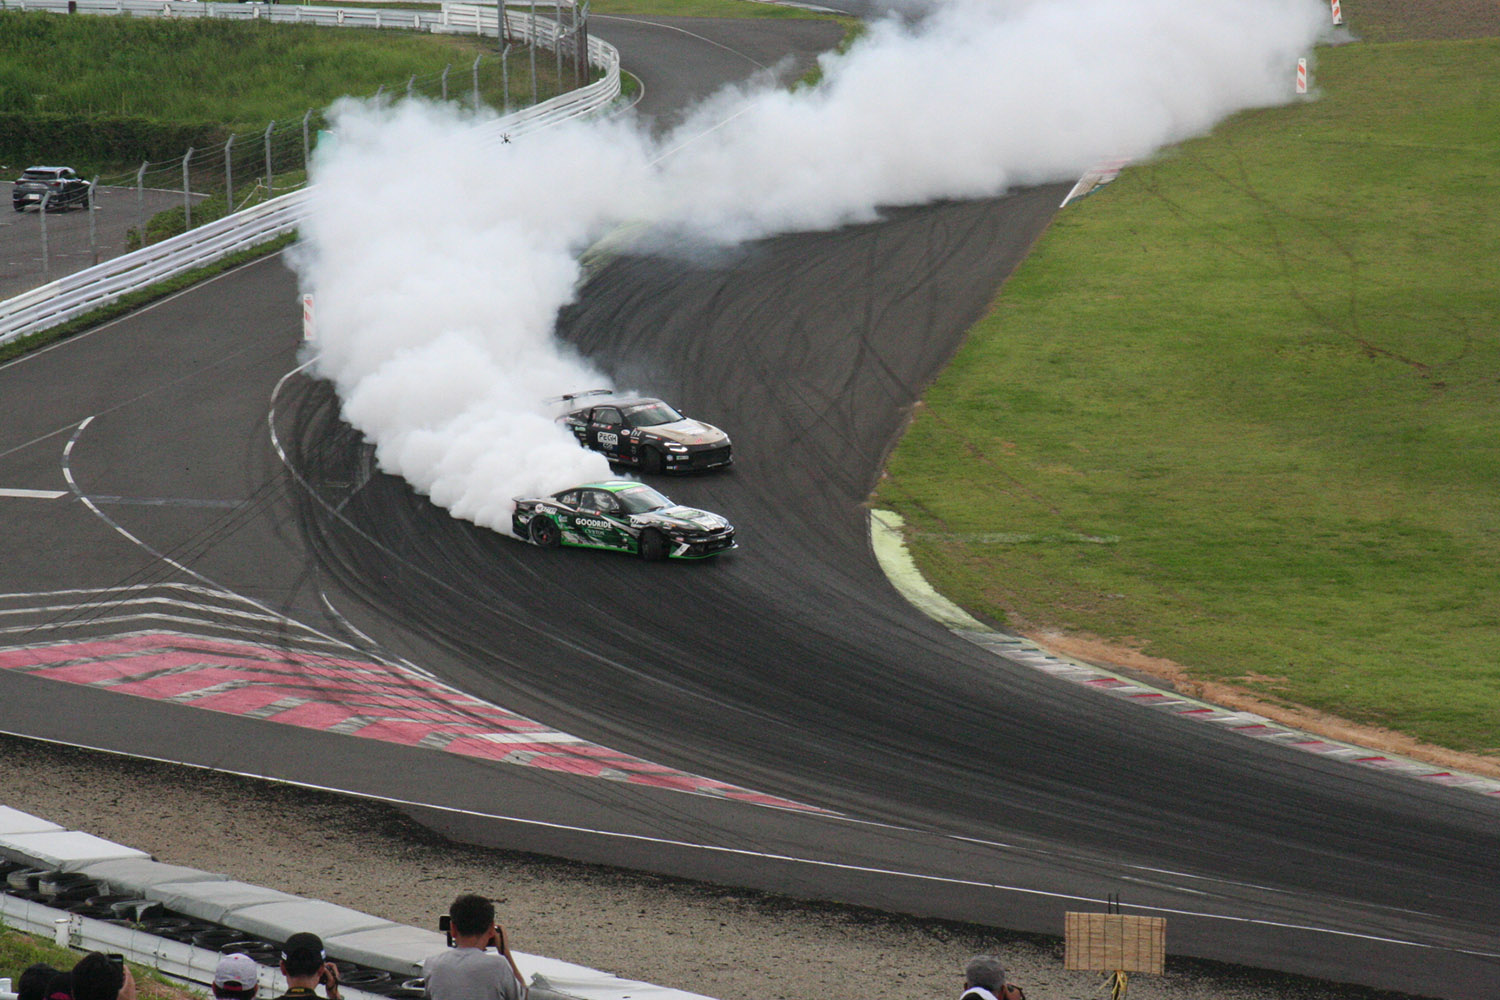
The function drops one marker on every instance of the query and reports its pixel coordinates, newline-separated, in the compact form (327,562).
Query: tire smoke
(439,261)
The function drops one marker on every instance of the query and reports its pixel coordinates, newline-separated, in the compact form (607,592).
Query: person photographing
(468,970)
(984,979)
(306,967)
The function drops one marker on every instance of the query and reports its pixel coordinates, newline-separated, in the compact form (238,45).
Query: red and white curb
(293,682)
(896,562)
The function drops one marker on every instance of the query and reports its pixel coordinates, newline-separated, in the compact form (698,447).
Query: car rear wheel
(651,461)
(653,546)
(544,532)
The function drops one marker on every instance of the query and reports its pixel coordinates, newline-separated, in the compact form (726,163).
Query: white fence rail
(80,293)
(460,18)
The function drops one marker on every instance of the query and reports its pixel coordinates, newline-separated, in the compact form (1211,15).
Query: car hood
(684,517)
(687,432)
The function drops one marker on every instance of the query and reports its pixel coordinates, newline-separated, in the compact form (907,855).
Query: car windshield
(39,175)
(640,499)
(651,414)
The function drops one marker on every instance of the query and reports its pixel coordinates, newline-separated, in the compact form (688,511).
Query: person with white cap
(984,979)
(237,977)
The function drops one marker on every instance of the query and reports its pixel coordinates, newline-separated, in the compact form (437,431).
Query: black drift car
(62,187)
(649,434)
(621,515)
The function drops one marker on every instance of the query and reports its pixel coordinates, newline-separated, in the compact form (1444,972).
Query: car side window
(605,502)
(607,415)
(569,499)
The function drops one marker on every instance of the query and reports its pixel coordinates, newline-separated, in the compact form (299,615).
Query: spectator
(102,977)
(60,987)
(237,977)
(305,967)
(34,982)
(984,979)
(467,971)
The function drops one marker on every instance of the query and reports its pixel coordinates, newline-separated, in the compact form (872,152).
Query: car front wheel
(544,532)
(653,546)
(651,461)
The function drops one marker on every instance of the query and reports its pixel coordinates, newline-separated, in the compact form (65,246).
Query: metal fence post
(229,171)
(140,197)
(306,140)
(445,82)
(42,209)
(187,202)
(411,83)
(476,81)
(534,38)
(378,91)
(269,176)
(93,229)
(505,75)
(557,43)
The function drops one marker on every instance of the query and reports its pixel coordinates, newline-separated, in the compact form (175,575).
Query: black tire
(651,461)
(653,545)
(544,532)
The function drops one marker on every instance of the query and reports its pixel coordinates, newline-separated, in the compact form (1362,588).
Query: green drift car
(621,515)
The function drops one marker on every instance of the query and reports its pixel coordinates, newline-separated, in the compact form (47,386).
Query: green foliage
(85,142)
(173,83)
(1265,370)
(18,950)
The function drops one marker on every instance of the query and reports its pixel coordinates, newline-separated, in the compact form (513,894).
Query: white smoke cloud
(440,261)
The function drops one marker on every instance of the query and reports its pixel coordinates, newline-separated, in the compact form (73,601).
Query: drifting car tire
(544,532)
(653,545)
(652,462)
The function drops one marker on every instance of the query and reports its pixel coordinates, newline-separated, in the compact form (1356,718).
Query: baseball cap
(237,971)
(303,953)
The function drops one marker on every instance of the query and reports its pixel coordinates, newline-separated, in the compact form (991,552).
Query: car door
(597,520)
(605,428)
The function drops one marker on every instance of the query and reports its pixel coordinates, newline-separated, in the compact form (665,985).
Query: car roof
(612,485)
(622,402)
(49,170)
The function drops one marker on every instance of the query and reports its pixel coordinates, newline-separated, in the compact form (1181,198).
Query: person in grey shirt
(468,970)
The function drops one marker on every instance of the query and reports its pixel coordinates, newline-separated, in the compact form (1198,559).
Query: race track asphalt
(964,786)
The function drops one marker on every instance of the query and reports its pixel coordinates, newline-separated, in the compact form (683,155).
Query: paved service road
(68,241)
(959,785)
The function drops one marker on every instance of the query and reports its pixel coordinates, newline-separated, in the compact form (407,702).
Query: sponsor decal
(591,522)
(608,440)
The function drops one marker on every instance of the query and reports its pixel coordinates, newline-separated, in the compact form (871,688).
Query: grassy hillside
(232,73)
(1242,407)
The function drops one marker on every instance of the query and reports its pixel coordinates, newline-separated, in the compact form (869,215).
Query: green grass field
(19,950)
(239,74)
(1242,407)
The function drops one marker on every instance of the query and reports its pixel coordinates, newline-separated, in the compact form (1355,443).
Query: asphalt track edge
(889,547)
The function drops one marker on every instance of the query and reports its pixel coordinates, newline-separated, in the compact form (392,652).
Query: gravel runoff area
(727,943)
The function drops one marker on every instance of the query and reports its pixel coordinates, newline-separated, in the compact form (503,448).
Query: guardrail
(84,291)
(453,18)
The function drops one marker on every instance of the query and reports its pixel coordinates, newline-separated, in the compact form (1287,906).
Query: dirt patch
(1113,656)
(1434,20)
